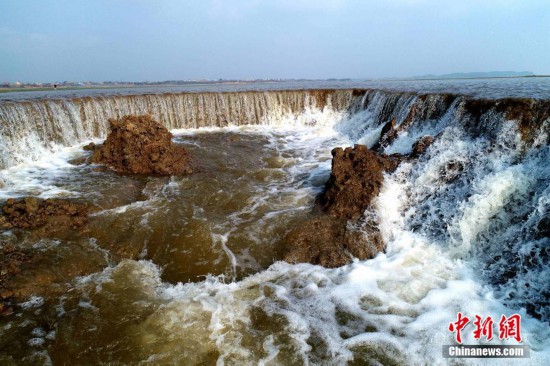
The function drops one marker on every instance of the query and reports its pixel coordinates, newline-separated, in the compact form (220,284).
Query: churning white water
(459,223)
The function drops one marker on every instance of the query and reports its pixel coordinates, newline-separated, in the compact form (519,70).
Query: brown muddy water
(225,221)
(185,270)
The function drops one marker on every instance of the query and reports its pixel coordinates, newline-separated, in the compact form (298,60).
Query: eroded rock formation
(529,114)
(330,242)
(356,178)
(341,232)
(33,213)
(140,145)
(420,146)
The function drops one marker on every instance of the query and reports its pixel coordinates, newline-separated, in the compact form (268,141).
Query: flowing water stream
(187,270)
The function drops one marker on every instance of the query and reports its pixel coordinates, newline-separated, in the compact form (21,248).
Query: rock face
(11,261)
(140,145)
(32,213)
(356,178)
(388,134)
(328,241)
(90,147)
(528,113)
(420,146)
(340,232)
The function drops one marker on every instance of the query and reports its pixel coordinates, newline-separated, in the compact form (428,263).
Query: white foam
(492,195)
(400,302)
(44,176)
(33,302)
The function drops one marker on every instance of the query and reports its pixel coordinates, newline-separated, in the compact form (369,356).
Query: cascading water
(29,129)
(466,228)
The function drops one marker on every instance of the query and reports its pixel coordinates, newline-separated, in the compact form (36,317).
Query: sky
(153,40)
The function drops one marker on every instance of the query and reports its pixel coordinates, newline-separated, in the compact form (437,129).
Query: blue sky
(151,40)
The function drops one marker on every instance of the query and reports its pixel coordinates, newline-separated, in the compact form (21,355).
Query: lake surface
(525,87)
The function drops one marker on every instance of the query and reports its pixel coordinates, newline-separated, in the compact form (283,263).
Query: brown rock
(356,178)
(388,127)
(48,273)
(328,242)
(11,262)
(529,114)
(90,147)
(32,213)
(420,146)
(388,134)
(4,224)
(6,294)
(140,145)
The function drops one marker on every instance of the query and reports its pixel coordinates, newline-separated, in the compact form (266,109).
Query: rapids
(186,270)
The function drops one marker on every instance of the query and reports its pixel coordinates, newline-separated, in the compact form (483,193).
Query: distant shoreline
(122,86)
(466,78)
(128,86)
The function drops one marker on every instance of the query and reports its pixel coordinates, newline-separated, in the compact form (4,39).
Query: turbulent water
(186,270)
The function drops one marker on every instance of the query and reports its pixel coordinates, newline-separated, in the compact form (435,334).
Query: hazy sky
(98,40)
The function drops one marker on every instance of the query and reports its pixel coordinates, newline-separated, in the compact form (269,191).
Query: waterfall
(30,128)
(466,224)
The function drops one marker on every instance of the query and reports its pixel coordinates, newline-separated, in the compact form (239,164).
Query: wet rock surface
(90,147)
(420,146)
(529,114)
(329,242)
(140,145)
(45,272)
(34,213)
(24,271)
(356,178)
(388,134)
(340,232)
(11,263)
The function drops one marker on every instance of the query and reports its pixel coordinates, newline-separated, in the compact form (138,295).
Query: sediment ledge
(34,213)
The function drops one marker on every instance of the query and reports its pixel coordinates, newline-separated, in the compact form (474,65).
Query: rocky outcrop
(420,146)
(329,242)
(340,232)
(388,134)
(90,147)
(33,213)
(26,271)
(356,178)
(140,145)
(11,261)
